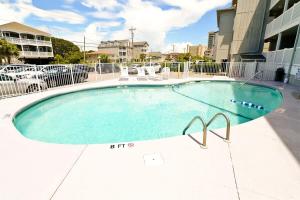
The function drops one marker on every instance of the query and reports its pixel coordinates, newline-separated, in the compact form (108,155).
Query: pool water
(111,115)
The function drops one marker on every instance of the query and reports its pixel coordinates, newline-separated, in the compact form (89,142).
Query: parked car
(10,85)
(84,67)
(16,70)
(59,75)
(106,68)
(133,68)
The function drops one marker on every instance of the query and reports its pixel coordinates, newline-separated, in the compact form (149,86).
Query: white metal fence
(18,80)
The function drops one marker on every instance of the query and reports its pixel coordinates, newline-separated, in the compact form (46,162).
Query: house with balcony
(281,38)
(35,46)
(122,51)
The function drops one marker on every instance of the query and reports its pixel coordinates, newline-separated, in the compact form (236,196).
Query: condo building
(281,38)
(34,46)
(123,51)
(260,30)
(197,50)
(211,46)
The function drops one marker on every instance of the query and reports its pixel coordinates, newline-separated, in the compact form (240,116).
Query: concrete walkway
(261,162)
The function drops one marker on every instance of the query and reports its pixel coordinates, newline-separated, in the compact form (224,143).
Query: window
(4,77)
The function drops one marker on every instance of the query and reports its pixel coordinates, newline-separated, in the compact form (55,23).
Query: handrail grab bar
(204,128)
(227,124)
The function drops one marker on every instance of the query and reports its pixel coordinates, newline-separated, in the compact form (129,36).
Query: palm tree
(7,50)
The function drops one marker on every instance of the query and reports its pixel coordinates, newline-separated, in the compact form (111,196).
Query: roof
(142,43)
(157,54)
(220,11)
(21,28)
(106,52)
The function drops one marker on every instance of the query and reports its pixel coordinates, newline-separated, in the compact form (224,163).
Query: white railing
(18,80)
(21,41)
(279,56)
(286,20)
(35,54)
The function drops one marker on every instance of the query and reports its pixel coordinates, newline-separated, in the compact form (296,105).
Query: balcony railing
(286,20)
(22,41)
(35,54)
(282,57)
(273,3)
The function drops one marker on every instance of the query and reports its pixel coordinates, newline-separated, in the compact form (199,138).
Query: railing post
(96,71)
(204,136)
(113,69)
(37,78)
(72,77)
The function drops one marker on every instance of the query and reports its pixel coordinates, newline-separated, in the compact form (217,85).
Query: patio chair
(166,73)
(124,74)
(141,76)
(152,75)
(185,73)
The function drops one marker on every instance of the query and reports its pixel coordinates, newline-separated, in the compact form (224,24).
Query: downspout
(293,56)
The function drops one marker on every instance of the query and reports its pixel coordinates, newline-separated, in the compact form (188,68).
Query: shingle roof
(21,28)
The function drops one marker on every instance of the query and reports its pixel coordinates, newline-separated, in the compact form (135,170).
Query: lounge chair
(141,76)
(124,74)
(152,75)
(166,73)
(185,73)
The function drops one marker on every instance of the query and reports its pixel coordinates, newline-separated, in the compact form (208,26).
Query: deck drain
(153,159)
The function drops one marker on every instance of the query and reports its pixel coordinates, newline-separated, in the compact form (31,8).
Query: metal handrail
(252,77)
(204,128)
(227,124)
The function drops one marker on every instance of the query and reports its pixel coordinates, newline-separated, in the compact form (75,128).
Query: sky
(162,23)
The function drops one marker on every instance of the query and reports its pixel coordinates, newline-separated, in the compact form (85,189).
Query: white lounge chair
(185,73)
(152,75)
(141,76)
(124,74)
(166,73)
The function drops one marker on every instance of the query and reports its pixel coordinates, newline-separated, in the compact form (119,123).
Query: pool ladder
(206,125)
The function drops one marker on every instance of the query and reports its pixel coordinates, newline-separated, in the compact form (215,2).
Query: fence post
(178,69)
(37,78)
(113,69)
(72,77)
(96,71)
(100,70)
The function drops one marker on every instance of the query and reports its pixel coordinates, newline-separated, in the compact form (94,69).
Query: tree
(142,57)
(183,57)
(7,50)
(104,58)
(65,51)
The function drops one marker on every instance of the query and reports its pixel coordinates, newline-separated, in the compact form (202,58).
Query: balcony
(35,54)
(283,56)
(273,3)
(286,20)
(20,41)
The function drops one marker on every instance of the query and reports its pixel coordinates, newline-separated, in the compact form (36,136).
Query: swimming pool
(134,113)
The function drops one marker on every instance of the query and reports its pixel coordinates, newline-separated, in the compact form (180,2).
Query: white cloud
(151,21)
(101,5)
(21,9)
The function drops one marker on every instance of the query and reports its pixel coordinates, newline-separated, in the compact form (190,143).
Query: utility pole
(84,49)
(132,36)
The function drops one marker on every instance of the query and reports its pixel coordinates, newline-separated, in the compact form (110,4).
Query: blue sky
(160,22)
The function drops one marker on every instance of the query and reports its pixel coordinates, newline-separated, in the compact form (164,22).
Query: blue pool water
(110,115)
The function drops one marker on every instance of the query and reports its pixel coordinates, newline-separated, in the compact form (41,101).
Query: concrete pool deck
(261,162)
